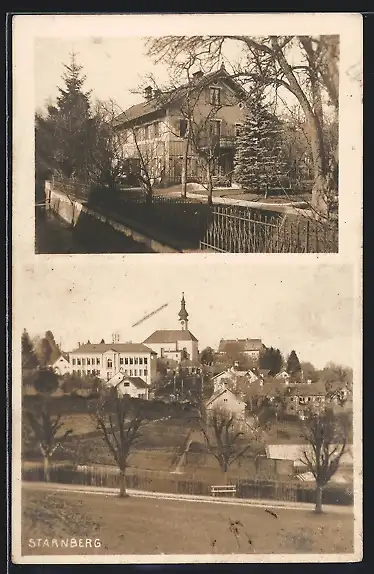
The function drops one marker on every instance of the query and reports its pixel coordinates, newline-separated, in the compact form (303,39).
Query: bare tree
(269,61)
(120,421)
(326,436)
(225,439)
(46,428)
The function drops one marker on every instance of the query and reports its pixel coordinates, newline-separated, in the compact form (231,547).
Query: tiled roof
(116,347)
(170,336)
(136,381)
(305,390)
(242,344)
(167,98)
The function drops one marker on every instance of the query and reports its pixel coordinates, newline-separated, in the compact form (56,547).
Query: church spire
(183,315)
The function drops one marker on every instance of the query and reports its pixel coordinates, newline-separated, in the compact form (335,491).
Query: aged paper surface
(307,302)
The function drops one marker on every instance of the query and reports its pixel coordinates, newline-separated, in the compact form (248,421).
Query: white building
(135,387)
(231,376)
(175,344)
(106,359)
(226,400)
(61,366)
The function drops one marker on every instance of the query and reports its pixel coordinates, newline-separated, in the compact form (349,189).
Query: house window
(78,361)
(109,364)
(83,361)
(98,361)
(182,128)
(145,372)
(135,361)
(225,400)
(238,128)
(136,372)
(140,372)
(131,361)
(140,361)
(215,127)
(73,361)
(126,384)
(121,360)
(126,361)
(88,361)
(88,371)
(79,372)
(125,371)
(130,372)
(215,96)
(145,360)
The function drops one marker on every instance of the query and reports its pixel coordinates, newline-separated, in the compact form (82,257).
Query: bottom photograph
(191,413)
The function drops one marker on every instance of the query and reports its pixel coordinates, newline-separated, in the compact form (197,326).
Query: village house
(158,128)
(175,344)
(134,387)
(62,366)
(226,400)
(231,376)
(304,397)
(106,359)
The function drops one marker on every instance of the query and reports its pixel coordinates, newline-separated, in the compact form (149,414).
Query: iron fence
(236,229)
(163,481)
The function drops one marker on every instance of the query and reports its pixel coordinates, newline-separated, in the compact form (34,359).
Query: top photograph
(187,144)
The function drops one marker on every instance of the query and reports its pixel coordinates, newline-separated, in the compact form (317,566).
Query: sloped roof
(136,381)
(167,98)
(116,347)
(307,389)
(170,336)
(294,452)
(242,344)
(217,394)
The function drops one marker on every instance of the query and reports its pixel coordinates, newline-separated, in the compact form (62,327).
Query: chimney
(148,93)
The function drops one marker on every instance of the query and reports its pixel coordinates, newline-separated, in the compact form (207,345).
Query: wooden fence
(162,481)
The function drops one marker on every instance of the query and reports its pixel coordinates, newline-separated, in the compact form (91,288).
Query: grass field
(150,526)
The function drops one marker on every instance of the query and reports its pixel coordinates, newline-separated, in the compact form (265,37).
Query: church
(175,344)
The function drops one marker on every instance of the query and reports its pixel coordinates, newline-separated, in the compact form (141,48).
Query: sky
(306,307)
(114,67)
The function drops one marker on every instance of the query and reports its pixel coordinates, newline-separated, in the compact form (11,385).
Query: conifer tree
(293,364)
(258,160)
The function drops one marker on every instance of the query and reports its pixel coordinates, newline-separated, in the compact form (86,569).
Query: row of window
(83,372)
(96,372)
(303,400)
(122,361)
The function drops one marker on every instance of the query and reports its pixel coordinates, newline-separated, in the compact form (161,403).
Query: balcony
(217,141)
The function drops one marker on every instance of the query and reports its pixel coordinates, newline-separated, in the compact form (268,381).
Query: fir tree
(293,364)
(74,124)
(258,159)
(29,357)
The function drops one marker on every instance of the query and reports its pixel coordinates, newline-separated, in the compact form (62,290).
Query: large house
(106,359)
(250,348)
(62,366)
(207,112)
(175,344)
(225,400)
(231,376)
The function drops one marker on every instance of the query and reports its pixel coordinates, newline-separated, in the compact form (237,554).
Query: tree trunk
(210,183)
(46,469)
(225,476)
(122,484)
(184,168)
(318,508)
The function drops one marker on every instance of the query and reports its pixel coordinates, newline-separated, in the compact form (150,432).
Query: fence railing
(236,229)
(162,481)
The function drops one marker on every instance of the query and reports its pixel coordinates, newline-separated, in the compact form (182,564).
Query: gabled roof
(168,98)
(64,356)
(170,336)
(116,347)
(136,381)
(219,393)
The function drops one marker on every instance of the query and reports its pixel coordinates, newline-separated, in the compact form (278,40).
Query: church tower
(183,315)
